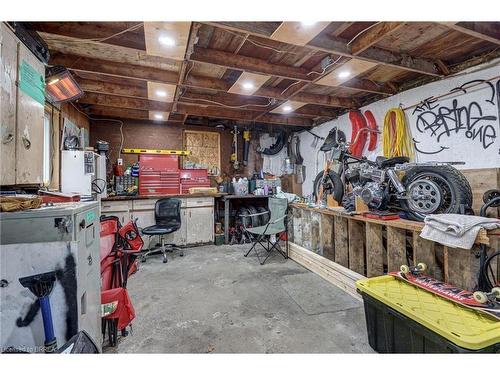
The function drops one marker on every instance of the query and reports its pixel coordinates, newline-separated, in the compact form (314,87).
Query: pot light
(158,116)
(344,74)
(167,41)
(308,23)
(247,85)
(287,108)
(161,93)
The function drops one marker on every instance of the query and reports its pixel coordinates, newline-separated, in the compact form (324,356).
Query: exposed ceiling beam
(191,109)
(373,35)
(134,38)
(248,64)
(133,72)
(488,31)
(136,114)
(95,86)
(261,97)
(260,66)
(112,68)
(338,46)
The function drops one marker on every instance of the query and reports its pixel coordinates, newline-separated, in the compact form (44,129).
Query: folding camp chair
(264,234)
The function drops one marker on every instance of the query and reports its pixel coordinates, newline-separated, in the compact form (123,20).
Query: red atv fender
(358,122)
(372,125)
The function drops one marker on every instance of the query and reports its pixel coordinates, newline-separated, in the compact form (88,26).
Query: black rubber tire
(461,192)
(254,219)
(263,218)
(337,190)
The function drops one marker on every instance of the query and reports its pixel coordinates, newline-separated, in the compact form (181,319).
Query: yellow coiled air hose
(397,140)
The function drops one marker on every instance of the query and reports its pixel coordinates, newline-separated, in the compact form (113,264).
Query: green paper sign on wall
(31,82)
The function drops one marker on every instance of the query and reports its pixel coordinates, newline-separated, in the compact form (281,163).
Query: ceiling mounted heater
(61,86)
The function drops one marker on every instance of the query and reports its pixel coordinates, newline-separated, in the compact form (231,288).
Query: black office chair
(168,220)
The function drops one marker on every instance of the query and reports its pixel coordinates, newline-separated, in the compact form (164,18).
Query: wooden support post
(374,250)
(306,229)
(396,248)
(326,237)
(357,246)
(424,252)
(461,267)
(315,233)
(341,241)
(297,226)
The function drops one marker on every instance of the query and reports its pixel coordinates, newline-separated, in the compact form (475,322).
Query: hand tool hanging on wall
(397,140)
(234,154)
(358,136)
(246,146)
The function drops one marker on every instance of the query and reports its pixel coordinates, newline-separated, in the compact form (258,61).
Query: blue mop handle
(48,326)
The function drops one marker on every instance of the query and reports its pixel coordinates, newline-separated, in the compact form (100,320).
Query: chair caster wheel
(165,260)
(143,259)
(181,254)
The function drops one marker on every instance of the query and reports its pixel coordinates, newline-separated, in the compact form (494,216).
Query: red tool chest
(193,178)
(159,174)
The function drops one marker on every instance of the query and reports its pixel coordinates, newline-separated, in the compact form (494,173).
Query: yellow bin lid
(462,326)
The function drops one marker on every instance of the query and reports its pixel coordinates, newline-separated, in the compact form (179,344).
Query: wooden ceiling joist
(480,30)
(260,66)
(145,105)
(116,69)
(326,43)
(373,35)
(248,64)
(107,68)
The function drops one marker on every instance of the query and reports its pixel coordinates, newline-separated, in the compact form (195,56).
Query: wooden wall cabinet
(21,116)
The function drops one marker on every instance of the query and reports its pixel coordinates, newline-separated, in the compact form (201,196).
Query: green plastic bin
(402,318)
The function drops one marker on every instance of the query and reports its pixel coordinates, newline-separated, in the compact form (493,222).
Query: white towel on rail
(456,230)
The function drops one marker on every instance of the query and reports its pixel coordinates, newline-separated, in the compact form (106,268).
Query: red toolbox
(193,178)
(159,174)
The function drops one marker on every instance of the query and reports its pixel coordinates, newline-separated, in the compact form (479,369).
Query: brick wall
(144,134)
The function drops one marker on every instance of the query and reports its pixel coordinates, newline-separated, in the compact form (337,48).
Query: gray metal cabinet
(21,116)
(63,238)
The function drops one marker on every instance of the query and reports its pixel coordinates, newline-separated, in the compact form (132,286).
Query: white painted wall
(474,141)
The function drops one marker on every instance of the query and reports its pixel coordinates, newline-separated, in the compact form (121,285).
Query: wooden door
(8,95)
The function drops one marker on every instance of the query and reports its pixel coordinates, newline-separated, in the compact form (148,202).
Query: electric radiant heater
(61,86)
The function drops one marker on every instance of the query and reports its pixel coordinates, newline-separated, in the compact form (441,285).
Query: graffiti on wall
(471,116)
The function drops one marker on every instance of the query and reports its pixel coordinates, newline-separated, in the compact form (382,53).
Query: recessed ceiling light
(344,74)
(167,41)
(161,93)
(308,23)
(287,108)
(247,85)
(158,116)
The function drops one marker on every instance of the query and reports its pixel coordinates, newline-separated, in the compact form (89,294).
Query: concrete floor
(214,300)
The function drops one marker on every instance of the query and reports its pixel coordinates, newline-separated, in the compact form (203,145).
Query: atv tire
(456,192)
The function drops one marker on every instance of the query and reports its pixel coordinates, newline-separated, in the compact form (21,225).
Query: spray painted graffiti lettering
(469,120)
